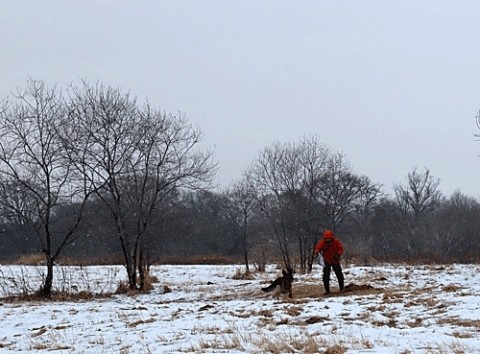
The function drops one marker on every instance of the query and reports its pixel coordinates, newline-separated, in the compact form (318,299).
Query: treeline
(89,173)
(199,224)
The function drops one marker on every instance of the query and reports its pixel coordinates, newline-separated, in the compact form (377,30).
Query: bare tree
(455,228)
(343,194)
(421,194)
(273,175)
(313,160)
(416,200)
(302,188)
(36,179)
(286,179)
(136,157)
(240,210)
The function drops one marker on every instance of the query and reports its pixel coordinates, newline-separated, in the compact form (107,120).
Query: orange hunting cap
(328,234)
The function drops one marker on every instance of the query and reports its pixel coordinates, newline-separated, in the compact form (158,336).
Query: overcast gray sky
(392,84)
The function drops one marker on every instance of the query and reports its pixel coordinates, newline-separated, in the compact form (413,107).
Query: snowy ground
(421,309)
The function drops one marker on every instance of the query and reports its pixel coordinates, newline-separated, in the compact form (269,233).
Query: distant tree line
(89,173)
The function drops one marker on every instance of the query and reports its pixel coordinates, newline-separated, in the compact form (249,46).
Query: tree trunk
(245,257)
(142,271)
(132,274)
(46,290)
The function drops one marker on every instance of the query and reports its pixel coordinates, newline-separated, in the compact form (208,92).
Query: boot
(341,284)
(327,288)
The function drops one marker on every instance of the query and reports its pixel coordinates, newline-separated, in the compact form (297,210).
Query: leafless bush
(16,284)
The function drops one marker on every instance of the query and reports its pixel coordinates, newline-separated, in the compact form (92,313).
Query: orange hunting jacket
(331,251)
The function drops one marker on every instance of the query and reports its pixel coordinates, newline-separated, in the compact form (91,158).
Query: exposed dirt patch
(355,287)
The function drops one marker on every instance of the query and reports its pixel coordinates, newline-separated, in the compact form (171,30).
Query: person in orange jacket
(331,249)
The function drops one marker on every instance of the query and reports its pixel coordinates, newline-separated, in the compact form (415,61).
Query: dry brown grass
(294,310)
(122,288)
(57,296)
(393,297)
(450,348)
(462,335)
(117,259)
(417,322)
(213,259)
(336,349)
(148,285)
(31,259)
(139,322)
(451,288)
(460,322)
(316,319)
(239,275)
(39,259)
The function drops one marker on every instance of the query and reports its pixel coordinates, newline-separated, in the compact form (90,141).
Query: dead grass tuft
(418,322)
(283,321)
(451,288)
(265,313)
(463,335)
(165,289)
(460,322)
(450,348)
(427,302)
(63,296)
(122,288)
(390,297)
(247,275)
(39,332)
(362,289)
(140,322)
(380,308)
(152,279)
(294,310)
(316,319)
(336,349)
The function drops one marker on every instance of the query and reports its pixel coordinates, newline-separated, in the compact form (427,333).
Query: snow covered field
(204,309)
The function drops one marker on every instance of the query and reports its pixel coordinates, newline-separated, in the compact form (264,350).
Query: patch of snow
(411,309)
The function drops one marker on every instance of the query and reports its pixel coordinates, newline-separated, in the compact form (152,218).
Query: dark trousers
(337,268)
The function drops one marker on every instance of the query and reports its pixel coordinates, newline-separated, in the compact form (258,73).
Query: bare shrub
(17,285)
(259,254)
